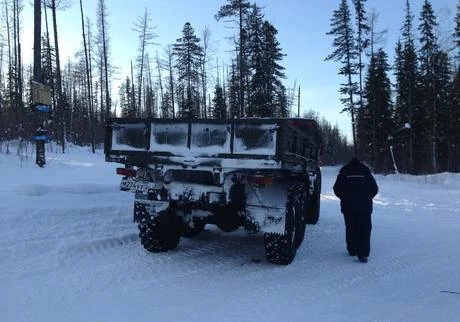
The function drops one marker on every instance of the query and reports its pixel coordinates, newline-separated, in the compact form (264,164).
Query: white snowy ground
(69,252)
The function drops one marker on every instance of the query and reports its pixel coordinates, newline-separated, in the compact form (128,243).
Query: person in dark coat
(356,187)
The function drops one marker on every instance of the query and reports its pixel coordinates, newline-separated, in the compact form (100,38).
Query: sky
(70,252)
(301,24)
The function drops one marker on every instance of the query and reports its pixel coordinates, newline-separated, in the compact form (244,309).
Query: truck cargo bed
(147,141)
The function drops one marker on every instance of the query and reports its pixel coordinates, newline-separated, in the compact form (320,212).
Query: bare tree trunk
(160,81)
(206,34)
(88,80)
(15,64)
(37,41)
(1,64)
(142,49)
(241,89)
(352,105)
(90,71)
(10,58)
(60,106)
(171,79)
(149,109)
(135,113)
(106,72)
(17,92)
(19,75)
(53,88)
(101,94)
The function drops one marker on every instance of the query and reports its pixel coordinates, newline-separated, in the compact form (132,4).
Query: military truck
(260,174)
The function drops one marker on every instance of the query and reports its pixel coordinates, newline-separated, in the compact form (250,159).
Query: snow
(169,137)
(129,137)
(255,139)
(70,252)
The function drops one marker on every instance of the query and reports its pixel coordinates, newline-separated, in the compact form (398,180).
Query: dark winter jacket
(356,187)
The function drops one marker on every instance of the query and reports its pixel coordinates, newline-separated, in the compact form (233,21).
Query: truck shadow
(211,244)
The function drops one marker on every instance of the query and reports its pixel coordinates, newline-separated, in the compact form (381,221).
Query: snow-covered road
(70,252)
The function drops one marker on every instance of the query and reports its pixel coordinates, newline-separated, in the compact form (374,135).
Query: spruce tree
(345,53)
(188,53)
(457,35)
(429,47)
(232,93)
(239,9)
(407,108)
(219,107)
(257,98)
(362,40)
(126,99)
(378,105)
(454,128)
(443,101)
(273,55)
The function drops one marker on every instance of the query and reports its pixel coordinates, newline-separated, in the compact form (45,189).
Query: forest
(405,113)
(410,124)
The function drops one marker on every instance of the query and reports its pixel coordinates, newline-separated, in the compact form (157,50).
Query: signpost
(41,96)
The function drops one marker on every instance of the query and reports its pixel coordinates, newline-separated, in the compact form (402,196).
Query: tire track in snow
(75,252)
(41,235)
(101,241)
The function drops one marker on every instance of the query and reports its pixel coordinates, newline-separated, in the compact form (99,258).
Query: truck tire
(281,248)
(160,233)
(313,203)
(300,222)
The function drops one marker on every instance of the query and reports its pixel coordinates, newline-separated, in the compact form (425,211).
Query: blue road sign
(43,108)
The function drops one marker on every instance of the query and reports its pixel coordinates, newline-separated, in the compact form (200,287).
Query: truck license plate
(133,185)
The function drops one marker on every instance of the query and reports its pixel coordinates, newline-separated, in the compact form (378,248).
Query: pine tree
(345,52)
(443,84)
(188,53)
(379,127)
(257,98)
(429,48)
(239,9)
(362,41)
(232,93)
(454,127)
(219,107)
(407,108)
(268,95)
(166,110)
(274,73)
(457,34)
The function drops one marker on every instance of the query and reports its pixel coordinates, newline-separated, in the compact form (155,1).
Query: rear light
(260,180)
(126,172)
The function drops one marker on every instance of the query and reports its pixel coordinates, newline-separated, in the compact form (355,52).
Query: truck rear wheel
(282,248)
(313,202)
(300,222)
(160,233)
